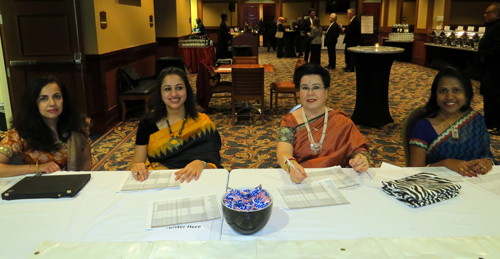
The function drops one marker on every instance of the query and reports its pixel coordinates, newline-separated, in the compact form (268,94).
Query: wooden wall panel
(419,48)
(101,83)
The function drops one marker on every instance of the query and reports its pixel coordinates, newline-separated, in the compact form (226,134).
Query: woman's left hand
(191,170)
(359,163)
(480,166)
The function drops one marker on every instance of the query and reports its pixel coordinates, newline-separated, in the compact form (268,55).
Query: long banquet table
(101,221)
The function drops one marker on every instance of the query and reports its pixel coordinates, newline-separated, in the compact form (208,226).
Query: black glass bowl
(247,222)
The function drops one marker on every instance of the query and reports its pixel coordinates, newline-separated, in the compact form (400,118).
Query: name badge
(454,133)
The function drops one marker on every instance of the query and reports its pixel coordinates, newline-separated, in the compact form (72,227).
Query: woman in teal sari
(451,134)
(174,135)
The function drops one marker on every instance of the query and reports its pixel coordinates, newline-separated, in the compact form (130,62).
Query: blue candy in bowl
(247,210)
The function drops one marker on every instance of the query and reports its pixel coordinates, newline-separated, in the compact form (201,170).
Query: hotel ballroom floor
(249,144)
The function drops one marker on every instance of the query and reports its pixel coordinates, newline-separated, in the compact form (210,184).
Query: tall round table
(373,67)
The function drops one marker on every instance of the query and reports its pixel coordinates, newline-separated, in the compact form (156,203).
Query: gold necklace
(174,141)
(454,130)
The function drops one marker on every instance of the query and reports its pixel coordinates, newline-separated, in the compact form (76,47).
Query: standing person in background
(332,34)
(315,35)
(260,27)
(271,27)
(306,27)
(352,38)
(223,40)
(281,42)
(297,26)
(489,55)
(201,27)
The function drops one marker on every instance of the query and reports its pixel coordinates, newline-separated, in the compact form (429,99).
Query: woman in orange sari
(174,135)
(317,136)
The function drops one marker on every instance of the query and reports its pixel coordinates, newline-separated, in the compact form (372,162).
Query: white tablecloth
(100,214)
(372,213)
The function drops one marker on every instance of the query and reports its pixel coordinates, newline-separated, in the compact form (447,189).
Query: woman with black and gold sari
(174,135)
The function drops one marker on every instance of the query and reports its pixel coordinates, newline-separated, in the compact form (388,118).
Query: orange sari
(342,140)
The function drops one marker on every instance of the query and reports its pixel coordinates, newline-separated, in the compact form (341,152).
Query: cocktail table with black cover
(373,67)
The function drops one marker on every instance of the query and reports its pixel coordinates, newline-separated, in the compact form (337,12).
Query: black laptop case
(47,186)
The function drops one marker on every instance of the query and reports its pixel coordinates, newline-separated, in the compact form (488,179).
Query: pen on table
(288,161)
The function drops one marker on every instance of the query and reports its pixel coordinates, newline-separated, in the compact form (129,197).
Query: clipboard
(39,187)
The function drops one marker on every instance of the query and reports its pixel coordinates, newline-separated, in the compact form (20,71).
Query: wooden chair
(132,88)
(410,121)
(248,84)
(208,83)
(284,88)
(246,60)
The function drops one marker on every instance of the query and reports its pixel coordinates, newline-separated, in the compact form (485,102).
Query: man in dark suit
(271,27)
(331,36)
(489,54)
(352,38)
(306,27)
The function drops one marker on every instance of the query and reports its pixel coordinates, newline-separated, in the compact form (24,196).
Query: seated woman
(174,135)
(451,134)
(47,132)
(317,136)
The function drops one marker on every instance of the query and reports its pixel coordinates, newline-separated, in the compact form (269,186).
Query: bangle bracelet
(491,160)
(204,164)
(429,165)
(31,169)
(37,167)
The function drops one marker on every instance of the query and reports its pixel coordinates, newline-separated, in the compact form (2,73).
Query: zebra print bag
(421,189)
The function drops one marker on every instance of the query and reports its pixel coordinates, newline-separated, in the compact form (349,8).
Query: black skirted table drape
(373,67)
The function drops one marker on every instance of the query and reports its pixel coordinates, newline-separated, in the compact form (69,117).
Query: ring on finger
(137,173)
(461,169)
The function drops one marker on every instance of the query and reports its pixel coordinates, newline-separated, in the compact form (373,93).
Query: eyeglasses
(314,89)
(489,12)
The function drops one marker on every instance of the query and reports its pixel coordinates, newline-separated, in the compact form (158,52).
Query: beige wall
(422,14)
(183,21)
(391,17)
(165,19)
(466,13)
(438,11)
(194,13)
(212,12)
(293,10)
(408,12)
(135,18)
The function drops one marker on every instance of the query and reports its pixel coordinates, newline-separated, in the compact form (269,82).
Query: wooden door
(252,14)
(268,11)
(372,9)
(42,37)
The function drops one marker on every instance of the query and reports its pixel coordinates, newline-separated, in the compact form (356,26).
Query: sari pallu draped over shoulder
(473,141)
(342,139)
(199,141)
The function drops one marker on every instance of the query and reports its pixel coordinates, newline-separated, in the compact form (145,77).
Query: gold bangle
(429,165)
(37,167)
(31,169)
(491,160)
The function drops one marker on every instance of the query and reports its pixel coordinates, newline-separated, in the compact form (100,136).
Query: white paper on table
(199,231)
(316,194)
(156,180)
(339,178)
(489,183)
(180,211)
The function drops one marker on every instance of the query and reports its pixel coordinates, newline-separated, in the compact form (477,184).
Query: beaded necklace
(174,141)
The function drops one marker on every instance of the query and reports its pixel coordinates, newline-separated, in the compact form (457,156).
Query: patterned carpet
(249,144)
